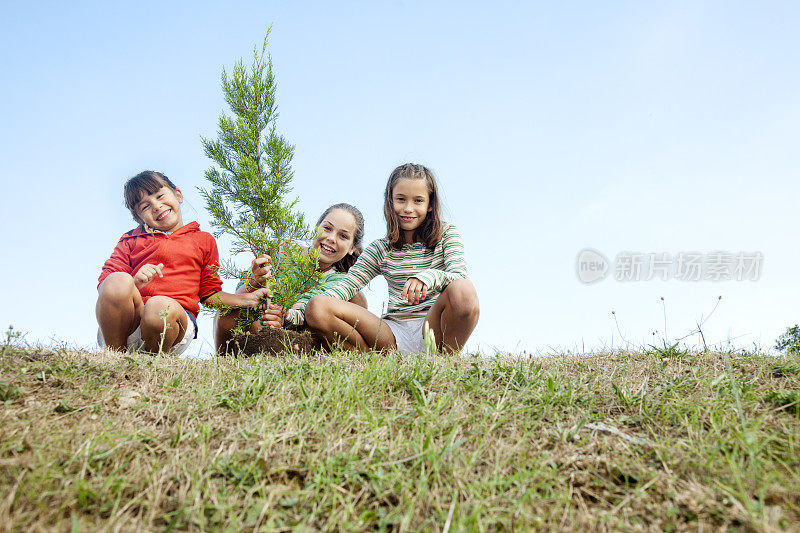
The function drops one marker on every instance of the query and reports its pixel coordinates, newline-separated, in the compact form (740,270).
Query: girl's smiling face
(335,240)
(410,202)
(161,210)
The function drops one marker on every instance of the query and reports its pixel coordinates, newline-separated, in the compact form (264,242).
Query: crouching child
(150,289)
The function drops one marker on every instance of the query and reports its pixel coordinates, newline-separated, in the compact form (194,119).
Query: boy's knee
(117,286)
(463,298)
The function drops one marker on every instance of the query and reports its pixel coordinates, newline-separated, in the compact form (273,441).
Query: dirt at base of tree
(274,341)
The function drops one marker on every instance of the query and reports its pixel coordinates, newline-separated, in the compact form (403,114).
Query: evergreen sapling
(249,181)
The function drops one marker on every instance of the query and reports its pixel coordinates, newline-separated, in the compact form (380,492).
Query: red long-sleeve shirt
(190,261)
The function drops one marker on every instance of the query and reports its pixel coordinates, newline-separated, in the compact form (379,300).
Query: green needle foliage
(249,183)
(789,341)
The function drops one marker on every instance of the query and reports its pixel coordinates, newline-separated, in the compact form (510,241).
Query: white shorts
(408,334)
(136,343)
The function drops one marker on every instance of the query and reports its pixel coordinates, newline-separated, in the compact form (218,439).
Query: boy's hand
(414,291)
(146,274)
(253,299)
(273,316)
(260,270)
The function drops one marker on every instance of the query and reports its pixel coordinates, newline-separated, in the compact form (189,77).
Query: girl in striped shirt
(340,230)
(422,259)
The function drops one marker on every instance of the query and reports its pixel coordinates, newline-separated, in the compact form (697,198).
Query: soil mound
(274,341)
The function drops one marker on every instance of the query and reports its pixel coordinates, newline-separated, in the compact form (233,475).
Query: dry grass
(643,441)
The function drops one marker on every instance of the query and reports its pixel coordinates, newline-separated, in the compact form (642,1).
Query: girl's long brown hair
(344,264)
(430,231)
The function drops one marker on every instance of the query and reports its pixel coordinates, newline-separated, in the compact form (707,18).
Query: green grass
(658,440)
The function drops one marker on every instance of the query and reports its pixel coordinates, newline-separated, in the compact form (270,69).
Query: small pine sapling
(249,182)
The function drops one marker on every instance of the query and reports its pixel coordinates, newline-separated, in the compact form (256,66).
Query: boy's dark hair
(344,264)
(430,231)
(146,182)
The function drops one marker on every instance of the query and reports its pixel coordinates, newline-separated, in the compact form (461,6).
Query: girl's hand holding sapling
(147,273)
(251,299)
(260,270)
(273,316)
(414,291)
(240,299)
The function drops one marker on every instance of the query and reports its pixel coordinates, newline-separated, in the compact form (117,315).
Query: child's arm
(296,316)
(210,290)
(211,293)
(118,262)
(455,266)
(366,267)
(226,299)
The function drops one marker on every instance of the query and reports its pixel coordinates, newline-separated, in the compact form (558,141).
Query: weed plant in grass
(651,441)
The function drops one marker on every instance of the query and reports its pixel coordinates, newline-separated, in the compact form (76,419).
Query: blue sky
(651,127)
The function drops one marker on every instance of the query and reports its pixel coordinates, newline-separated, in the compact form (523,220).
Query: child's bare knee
(160,308)
(317,309)
(463,299)
(117,286)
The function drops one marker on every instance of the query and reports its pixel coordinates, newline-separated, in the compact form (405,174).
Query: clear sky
(649,127)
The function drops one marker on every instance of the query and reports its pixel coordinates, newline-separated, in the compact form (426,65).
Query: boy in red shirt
(159,270)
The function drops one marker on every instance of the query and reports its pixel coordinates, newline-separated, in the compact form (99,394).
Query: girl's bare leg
(118,308)
(153,323)
(343,322)
(223,324)
(454,315)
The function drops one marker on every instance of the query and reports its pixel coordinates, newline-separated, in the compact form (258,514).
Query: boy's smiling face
(161,210)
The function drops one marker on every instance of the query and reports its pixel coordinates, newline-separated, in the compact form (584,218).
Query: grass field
(661,440)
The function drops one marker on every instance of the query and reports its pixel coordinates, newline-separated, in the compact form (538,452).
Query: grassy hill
(662,440)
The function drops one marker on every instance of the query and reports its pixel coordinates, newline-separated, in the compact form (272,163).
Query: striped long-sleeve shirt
(436,268)
(297,315)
